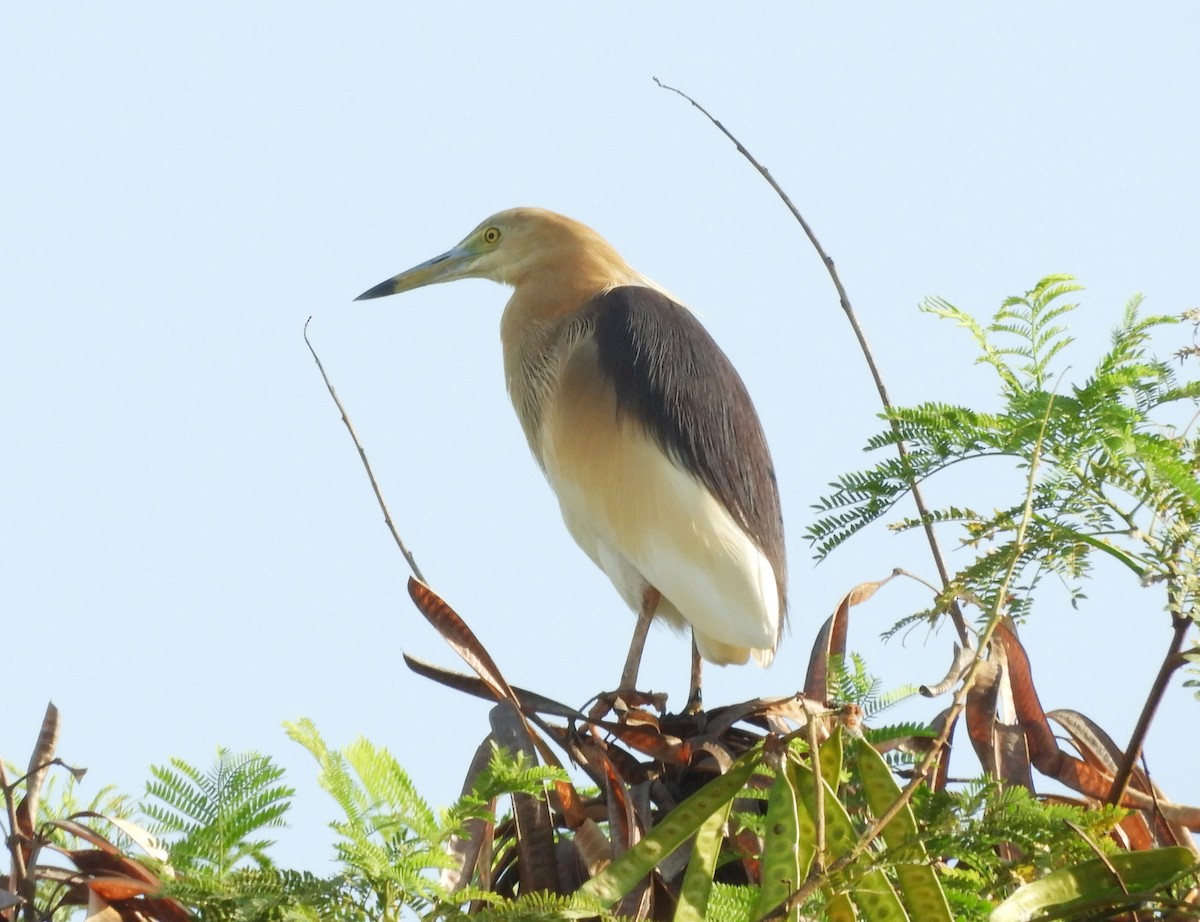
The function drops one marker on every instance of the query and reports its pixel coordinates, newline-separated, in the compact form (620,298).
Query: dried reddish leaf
(1137,833)
(97,863)
(669,749)
(567,801)
(98,910)
(640,717)
(980,713)
(717,753)
(1100,752)
(1096,746)
(456,633)
(1051,761)
(118,888)
(529,702)
(831,641)
(582,750)
(1043,749)
(942,773)
(622,821)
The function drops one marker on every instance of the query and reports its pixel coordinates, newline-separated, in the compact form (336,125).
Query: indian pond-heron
(643,428)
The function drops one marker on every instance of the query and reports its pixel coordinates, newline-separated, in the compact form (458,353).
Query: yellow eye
(491,235)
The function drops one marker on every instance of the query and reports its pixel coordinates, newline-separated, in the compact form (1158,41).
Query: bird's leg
(695,702)
(627,696)
(650,599)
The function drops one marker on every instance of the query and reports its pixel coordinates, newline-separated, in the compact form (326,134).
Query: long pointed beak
(451,265)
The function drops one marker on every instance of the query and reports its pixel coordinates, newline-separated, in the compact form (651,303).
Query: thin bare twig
(819,794)
(960,699)
(1171,662)
(387,516)
(956,615)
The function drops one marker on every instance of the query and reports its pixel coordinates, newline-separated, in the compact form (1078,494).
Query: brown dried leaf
(98,910)
(1051,761)
(1095,745)
(460,637)
(863,591)
(1043,749)
(39,764)
(1012,756)
(568,802)
(657,745)
(622,820)
(113,889)
(980,713)
(140,836)
(465,850)
(717,752)
(958,666)
(538,867)
(96,863)
(594,847)
(582,750)
(87,834)
(942,774)
(831,640)
(1100,752)
(1137,834)
(529,702)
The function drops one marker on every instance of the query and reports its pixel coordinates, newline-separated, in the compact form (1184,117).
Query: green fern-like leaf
(210,820)
(1109,478)
(851,683)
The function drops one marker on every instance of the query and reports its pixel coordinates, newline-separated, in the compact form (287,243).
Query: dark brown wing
(672,377)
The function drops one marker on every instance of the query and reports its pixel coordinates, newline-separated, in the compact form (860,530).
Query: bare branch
(956,615)
(921,772)
(387,516)
(1171,662)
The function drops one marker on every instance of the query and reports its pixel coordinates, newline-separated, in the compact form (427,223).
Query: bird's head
(510,247)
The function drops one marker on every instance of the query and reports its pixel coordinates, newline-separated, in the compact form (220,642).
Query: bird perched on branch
(643,428)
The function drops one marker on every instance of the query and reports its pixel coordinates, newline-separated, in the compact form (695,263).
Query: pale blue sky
(191,553)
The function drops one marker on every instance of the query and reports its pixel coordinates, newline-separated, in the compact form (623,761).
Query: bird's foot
(627,704)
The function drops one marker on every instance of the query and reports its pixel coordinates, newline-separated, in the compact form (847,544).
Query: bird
(643,428)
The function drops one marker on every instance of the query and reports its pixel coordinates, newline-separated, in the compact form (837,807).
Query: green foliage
(851,683)
(61,796)
(999,837)
(390,840)
(264,894)
(1193,657)
(1109,887)
(1112,472)
(210,820)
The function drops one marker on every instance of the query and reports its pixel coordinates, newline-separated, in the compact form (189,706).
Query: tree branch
(844,299)
(1171,662)
(387,516)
